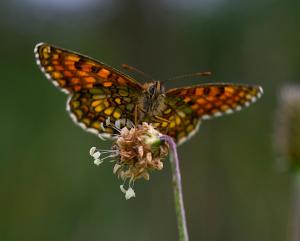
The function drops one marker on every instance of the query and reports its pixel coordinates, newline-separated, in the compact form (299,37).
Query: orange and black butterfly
(100,96)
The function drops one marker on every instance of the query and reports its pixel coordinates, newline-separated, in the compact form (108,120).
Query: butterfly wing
(72,72)
(98,94)
(186,107)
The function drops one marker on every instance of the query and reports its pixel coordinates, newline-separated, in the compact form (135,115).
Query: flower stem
(177,188)
(295,209)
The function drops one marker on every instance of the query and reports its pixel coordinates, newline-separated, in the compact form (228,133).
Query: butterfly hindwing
(99,96)
(99,110)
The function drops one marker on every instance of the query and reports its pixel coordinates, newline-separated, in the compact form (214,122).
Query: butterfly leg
(140,115)
(161,119)
(136,115)
(137,111)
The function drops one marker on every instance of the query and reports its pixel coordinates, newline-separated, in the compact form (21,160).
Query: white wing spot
(190,134)
(206,117)
(102,126)
(247,103)
(104,136)
(217,114)
(229,111)
(238,108)
(93,131)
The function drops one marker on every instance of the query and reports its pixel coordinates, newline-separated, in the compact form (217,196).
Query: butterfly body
(151,101)
(101,97)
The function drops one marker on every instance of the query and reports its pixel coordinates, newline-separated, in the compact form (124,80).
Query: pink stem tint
(177,188)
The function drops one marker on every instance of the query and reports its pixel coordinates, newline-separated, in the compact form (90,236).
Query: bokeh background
(233,190)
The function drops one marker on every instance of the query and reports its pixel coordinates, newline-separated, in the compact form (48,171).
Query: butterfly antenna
(133,69)
(205,73)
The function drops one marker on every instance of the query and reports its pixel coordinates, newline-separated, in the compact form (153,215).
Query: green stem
(295,209)
(177,188)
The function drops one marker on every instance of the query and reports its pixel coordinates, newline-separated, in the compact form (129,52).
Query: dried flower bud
(287,128)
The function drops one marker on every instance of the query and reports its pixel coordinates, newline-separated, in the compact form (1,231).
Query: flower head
(141,150)
(136,151)
(287,128)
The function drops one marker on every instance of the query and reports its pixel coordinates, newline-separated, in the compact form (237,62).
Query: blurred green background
(50,189)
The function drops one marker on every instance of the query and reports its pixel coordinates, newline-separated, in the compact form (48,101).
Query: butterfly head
(153,89)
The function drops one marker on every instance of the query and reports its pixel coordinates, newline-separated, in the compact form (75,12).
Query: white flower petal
(124,131)
(92,150)
(96,155)
(129,193)
(123,190)
(116,168)
(97,162)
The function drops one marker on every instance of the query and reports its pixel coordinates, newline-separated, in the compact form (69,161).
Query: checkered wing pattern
(186,107)
(98,94)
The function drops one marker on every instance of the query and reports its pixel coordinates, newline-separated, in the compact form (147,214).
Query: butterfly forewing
(186,107)
(98,94)
(73,72)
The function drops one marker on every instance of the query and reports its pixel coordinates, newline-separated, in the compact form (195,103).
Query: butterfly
(100,97)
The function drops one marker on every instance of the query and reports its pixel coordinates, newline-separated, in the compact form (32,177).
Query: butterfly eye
(152,90)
